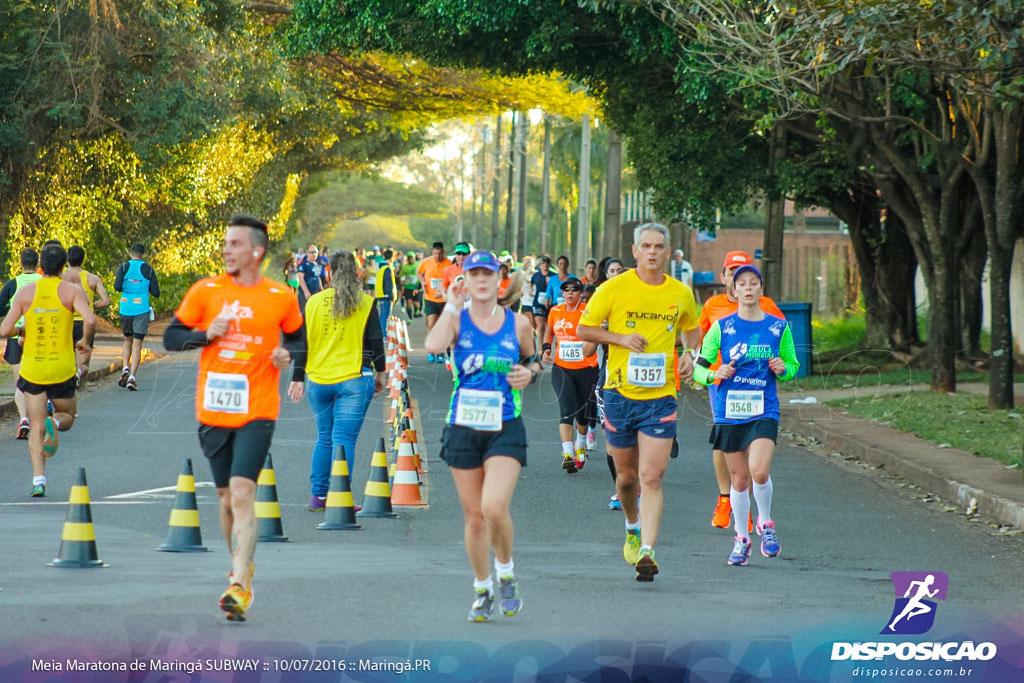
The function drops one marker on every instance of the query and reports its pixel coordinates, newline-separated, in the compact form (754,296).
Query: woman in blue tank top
(756,349)
(494,356)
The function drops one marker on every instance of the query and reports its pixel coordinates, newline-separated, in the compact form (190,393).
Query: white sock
(633,527)
(488,584)
(504,569)
(36,481)
(567,447)
(763,497)
(56,423)
(581,440)
(740,510)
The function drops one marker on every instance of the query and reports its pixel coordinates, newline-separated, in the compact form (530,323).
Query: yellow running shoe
(631,548)
(248,582)
(235,601)
(646,567)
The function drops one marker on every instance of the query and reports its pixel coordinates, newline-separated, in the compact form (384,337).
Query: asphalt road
(403,586)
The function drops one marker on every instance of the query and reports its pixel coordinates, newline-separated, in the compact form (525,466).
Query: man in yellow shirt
(646,312)
(48,362)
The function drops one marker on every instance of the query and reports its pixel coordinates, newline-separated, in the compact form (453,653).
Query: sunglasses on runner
(571,289)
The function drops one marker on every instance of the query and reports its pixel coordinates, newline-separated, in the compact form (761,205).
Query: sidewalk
(106,360)
(974,484)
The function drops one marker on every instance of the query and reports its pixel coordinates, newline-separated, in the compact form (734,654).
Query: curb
(895,451)
(8,409)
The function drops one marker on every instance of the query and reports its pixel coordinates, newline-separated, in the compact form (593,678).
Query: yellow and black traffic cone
(377,497)
(392,468)
(184,536)
(268,510)
(78,541)
(340,511)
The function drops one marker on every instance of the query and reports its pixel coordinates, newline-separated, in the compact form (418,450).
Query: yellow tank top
(335,344)
(89,294)
(49,356)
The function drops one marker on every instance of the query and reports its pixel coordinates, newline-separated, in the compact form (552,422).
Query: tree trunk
(771,262)
(1000,367)
(972,265)
(613,193)
(583,209)
(523,156)
(545,183)
(496,183)
(511,181)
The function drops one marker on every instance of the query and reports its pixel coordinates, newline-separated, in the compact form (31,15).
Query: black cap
(570,282)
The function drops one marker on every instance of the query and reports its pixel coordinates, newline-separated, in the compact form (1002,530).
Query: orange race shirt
(237,381)
(568,346)
(433,273)
(450,273)
(719,306)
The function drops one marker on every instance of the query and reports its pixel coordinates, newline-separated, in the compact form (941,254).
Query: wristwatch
(534,374)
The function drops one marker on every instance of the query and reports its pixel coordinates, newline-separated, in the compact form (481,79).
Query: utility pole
(545,202)
(583,210)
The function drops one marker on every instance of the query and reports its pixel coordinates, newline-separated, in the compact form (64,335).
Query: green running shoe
(39,490)
(631,548)
(50,439)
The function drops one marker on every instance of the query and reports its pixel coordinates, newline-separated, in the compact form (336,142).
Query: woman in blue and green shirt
(756,349)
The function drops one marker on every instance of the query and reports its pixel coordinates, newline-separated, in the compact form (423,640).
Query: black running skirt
(734,438)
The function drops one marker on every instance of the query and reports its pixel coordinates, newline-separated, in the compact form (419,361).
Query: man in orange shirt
(237,320)
(719,306)
(431,274)
(455,269)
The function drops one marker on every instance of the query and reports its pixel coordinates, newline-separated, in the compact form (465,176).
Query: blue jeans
(338,410)
(384,310)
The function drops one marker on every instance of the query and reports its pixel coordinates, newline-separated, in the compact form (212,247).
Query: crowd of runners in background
(620,337)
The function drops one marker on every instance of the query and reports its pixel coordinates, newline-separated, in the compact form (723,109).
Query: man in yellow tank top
(48,361)
(97,296)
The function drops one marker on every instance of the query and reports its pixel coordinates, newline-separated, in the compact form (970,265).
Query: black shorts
(409,294)
(65,389)
(540,311)
(575,392)
(466,449)
(432,307)
(135,325)
(236,451)
(78,330)
(13,351)
(736,438)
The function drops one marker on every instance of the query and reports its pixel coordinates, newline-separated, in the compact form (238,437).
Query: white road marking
(150,492)
(93,502)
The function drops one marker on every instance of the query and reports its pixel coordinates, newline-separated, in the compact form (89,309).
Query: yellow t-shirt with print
(658,313)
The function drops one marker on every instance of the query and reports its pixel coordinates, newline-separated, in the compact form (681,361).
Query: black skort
(466,449)
(735,438)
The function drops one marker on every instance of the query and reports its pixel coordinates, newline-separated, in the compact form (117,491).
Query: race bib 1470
(226,393)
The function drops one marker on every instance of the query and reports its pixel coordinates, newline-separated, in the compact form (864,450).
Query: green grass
(962,420)
(841,332)
(868,375)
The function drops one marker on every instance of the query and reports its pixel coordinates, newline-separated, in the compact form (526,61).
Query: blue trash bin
(799,316)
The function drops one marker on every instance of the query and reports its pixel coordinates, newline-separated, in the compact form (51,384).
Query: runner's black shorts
(575,391)
(409,294)
(236,451)
(432,307)
(466,449)
(735,438)
(13,351)
(78,330)
(540,310)
(65,389)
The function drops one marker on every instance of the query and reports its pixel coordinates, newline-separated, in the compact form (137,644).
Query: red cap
(738,258)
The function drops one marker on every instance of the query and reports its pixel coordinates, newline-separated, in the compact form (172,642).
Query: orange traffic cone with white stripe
(268,509)
(407,485)
(377,497)
(410,429)
(184,536)
(339,513)
(78,540)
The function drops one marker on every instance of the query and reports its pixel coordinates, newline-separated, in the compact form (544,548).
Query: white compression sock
(581,440)
(567,447)
(740,510)
(763,497)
